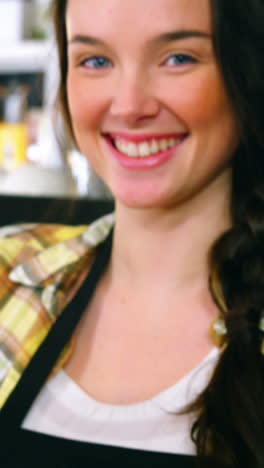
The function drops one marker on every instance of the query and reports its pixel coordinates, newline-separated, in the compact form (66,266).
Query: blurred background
(36,159)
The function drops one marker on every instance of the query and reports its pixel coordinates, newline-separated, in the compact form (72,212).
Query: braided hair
(230,425)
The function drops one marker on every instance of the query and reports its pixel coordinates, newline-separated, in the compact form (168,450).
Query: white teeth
(163,144)
(145,148)
(154,147)
(131,149)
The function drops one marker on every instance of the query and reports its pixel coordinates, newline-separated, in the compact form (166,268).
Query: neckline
(170,399)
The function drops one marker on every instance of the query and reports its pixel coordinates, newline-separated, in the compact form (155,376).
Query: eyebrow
(161,39)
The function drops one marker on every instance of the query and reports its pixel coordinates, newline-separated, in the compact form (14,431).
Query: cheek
(86,104)
(201,102)
(203,107)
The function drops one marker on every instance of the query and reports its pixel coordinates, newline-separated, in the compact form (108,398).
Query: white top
(63,409)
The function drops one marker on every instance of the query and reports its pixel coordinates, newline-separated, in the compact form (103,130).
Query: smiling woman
(159,85)
(149,321)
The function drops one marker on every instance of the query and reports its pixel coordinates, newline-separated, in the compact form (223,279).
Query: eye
(97,61)
(180,60)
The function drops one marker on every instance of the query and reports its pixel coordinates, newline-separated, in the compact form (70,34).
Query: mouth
(145,148)
(136,153)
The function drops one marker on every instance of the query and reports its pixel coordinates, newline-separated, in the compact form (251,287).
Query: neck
(171,245)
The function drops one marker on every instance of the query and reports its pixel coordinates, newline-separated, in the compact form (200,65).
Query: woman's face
(147,102)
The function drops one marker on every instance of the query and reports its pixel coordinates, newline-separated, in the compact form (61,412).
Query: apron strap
(19,402)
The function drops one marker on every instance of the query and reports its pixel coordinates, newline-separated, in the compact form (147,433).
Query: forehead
(135,18)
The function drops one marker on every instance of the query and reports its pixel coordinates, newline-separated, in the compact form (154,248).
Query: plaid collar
(43,264)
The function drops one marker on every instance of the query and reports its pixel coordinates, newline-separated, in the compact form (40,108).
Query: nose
(133,101)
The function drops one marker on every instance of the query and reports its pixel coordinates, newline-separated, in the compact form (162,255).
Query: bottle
(13,128)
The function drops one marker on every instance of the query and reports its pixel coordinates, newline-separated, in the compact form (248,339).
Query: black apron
(22,448)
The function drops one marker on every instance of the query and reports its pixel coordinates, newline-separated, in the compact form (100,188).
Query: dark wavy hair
(229,429)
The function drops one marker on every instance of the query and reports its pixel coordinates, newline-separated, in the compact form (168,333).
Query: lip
(143,136)
(142,163)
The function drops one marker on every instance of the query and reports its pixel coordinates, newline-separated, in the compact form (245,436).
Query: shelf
(25,56)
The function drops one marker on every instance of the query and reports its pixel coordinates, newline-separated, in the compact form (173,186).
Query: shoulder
(39,265)
(38,236)
(19,243)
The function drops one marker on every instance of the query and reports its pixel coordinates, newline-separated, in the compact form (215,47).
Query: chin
(139,191)
(137,200)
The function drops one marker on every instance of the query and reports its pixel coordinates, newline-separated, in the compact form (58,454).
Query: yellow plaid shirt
(39,266)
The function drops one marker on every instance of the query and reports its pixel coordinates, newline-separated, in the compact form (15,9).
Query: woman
(165,99)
